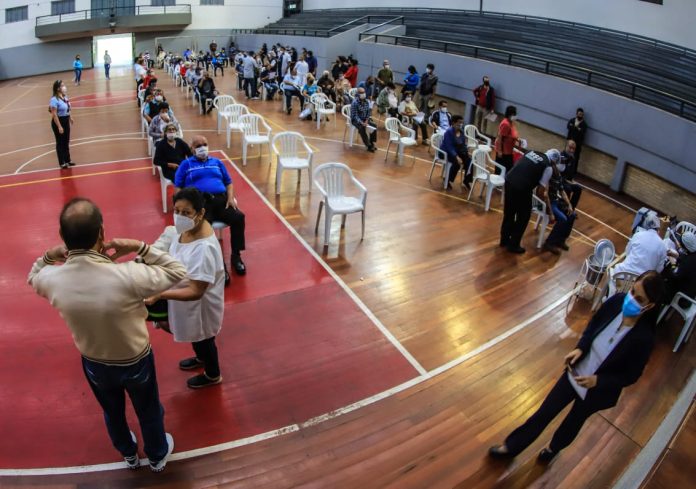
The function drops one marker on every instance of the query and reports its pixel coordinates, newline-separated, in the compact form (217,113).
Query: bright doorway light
(120,47)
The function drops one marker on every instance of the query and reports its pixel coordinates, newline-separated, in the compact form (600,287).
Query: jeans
(250,87)
(107,68)
(206,351)
(271,89)
(564,225)
(78,75)
(109,384)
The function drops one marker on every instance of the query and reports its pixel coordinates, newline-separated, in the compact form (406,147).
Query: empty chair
(251,128)
(481,165)
(288,147)
(220,102)
(323,108)
(475,140)
(395,129)
(539,208)
(330,180)
(231,114)
(685,306)
(440,158)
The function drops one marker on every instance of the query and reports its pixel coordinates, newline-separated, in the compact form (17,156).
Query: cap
(554,155)
(689,241)
(651,221)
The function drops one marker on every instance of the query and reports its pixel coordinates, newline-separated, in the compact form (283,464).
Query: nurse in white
(196,304)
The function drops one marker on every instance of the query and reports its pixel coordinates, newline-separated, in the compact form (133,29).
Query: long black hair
(56,87)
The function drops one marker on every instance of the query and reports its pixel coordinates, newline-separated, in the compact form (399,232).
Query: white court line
(608,198)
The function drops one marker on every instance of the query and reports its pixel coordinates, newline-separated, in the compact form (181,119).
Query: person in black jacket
(610,355)
(577,127)
(681,277)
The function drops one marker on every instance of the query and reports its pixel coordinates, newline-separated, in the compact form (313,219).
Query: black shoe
(503,243)
(202,380)
(228,279)
(564,246)
(70,163)
(551,248)
(190,364)
(546,455)
(516,249)
(498,453)
(64,166)
(371,149)
(238,264)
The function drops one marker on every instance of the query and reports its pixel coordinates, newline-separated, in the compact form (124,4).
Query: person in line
(411,81)
(387,103)
(484,96)
(342,90)
(206,91)
(351,73)
(249,68)
(385,76)
(573,189)
(441,120)
(610,356)
(102,304)
(454,146)
(158,124)
(408,109)
(508,138)
(312,62)
(327,86)
(107,64)
(291,87)
(61,122)
(533,171)
(196,304)
(337,67)
(563,211)
(681,277)
(140,72)
(210,176)
(77,67)
(309,88)
(360,112)
(302,69)
(152,108)
(645,250)
(577,128)
(427,88)
(170,152)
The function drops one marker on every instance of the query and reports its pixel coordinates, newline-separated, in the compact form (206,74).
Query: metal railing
(635,91)
(101,13)
(365,19)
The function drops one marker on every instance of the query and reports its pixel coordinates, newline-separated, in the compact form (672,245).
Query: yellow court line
(71,177)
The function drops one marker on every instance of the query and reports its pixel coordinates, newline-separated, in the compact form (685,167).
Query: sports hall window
(16,14)
(62,7)
(212,2)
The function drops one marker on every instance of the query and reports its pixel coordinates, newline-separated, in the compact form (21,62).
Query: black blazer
(626,362)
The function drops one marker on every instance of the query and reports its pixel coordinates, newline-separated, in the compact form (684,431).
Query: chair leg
(244,153)
(345,131)
(387,153)
(279,174)
(683,334)
(328,216)
(163,187)
(473,184)
(218,122)
(318,121)
(489,192)
(662,313)
(542,233)
(316,227)
(362,232)
(229,136)
(352,136)
(343,221)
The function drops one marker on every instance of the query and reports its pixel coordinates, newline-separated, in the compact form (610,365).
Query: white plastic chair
(480,164)
(323,108)
(439,159)
(350,128)
(395,128)
(287,147)
(252,134)
(542,219)
(615,283)
(329,179)
(220,102)
(352,93)
(688,314)
(164,183)
(144,125)
(231,114)
(474,138)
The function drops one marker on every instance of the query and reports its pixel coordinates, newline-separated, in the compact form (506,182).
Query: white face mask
(362,96)
(513,118)
(408,99)
(561,167)
(202,152)
(444,110)
(183,223)
(171,136)
(159,98)
(386,66)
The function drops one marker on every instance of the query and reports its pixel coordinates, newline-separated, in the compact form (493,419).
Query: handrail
(447,47)
(99,13)
(348,23)
(400,18)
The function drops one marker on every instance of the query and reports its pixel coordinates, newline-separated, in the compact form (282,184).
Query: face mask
(408,99)
(183,223)
(386,66)
(513,118)
(429,70)
(561,167)
(171,136)
(64,90)
(486,83)
(202,152)
(631,308)
(444,110)
(159,98)
(362,96)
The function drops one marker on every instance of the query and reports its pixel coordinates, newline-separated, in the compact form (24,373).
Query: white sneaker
(159,466)
(133,462)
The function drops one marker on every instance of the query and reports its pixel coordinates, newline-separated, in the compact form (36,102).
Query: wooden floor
(432,273)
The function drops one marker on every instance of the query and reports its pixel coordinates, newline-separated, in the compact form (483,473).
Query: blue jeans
(109,384)
(106,70)
(564,225)
(78,75)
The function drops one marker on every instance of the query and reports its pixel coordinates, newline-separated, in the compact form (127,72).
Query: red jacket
(352,76)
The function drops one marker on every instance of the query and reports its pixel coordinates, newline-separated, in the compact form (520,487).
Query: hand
(587,381)
(231,202)
(72,121)
(60,130)
(121,247)
(573,356)
(57,253)
(173,165)
(151,300)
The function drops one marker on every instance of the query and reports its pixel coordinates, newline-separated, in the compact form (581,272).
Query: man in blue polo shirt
(210,176)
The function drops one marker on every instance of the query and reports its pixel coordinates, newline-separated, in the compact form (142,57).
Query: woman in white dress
(196,304)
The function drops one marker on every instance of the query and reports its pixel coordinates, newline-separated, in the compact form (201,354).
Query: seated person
(408,110)
(170,152)
(291,87)
(441,120)
(206,91)
(360,111)
(342,86)
(209,175)
(454,146)
(152,108)
(160,121)
(327,86)
(151,88)
(193,76)
(645,250)
(387,103)
(681,277)
(563,211)
(147,79)
(217,65)
(310,88)
(269,80)
(370,87)
(574,190)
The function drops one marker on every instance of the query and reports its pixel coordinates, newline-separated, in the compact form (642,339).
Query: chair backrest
(287,144)
(222,101)
(234,111)
(330,177)
(470,134)
(684,227)
(393,125)
(538,205)
(624,281)
(345,110)
(435,143)
(250,124)
(479,162)
(352,93)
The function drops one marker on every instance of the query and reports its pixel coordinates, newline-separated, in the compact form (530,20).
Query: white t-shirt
(140,71)
(198,320)
(645,251)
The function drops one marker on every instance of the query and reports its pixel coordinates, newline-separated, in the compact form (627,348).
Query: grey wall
(44,57)
(649,138)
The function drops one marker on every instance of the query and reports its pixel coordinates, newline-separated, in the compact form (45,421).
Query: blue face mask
(631,308)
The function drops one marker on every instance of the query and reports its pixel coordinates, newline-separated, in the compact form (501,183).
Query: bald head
(197,143)
(81,224)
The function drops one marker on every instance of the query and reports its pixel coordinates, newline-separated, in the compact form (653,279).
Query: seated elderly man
(206,91)
(160,121)
(360,118)
(645,250)
(210,176)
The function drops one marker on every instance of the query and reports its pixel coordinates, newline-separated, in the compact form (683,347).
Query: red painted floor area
(293,344)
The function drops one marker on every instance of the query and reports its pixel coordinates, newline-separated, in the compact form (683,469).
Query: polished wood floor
(432,273)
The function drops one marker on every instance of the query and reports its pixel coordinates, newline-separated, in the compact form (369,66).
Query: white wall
(672,22)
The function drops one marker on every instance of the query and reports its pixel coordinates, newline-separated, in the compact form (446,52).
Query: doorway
(120,47)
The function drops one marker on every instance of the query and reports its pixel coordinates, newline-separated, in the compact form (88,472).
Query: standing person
(533,171)
(107,64)
(411,81)
(196,304)
(102,304)
(360,118)
(249,68)
(61,120)
(428,85)
(302,69)
(484,96)
(140,73)
(611,355)
(312,62)
(77,67)
(577,127)
(507,139)
(352,73)
(213,47)
(385,75)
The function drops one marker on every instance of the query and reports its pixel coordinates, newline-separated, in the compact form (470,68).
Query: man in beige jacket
(101,301)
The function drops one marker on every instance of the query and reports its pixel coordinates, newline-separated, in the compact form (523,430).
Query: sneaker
(133,462)
(202,380)
(190,364)
(64,166)
(564,247)
(546,456)
(159,465)
(70,163)
(499,452)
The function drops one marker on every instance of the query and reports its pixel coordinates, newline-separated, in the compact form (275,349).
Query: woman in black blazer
(610,355)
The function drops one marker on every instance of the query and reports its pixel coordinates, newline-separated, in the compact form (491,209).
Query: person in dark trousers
(206,91)
(210,176)
(563,211)
(574,190)
(77,67)
(454,146)
(170,152)
(426,91)
(107,64)
(531,172)
(611,355)
(61,120)
(508,138)
(360,118)
(577,128)
(484,97)
(681,277)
